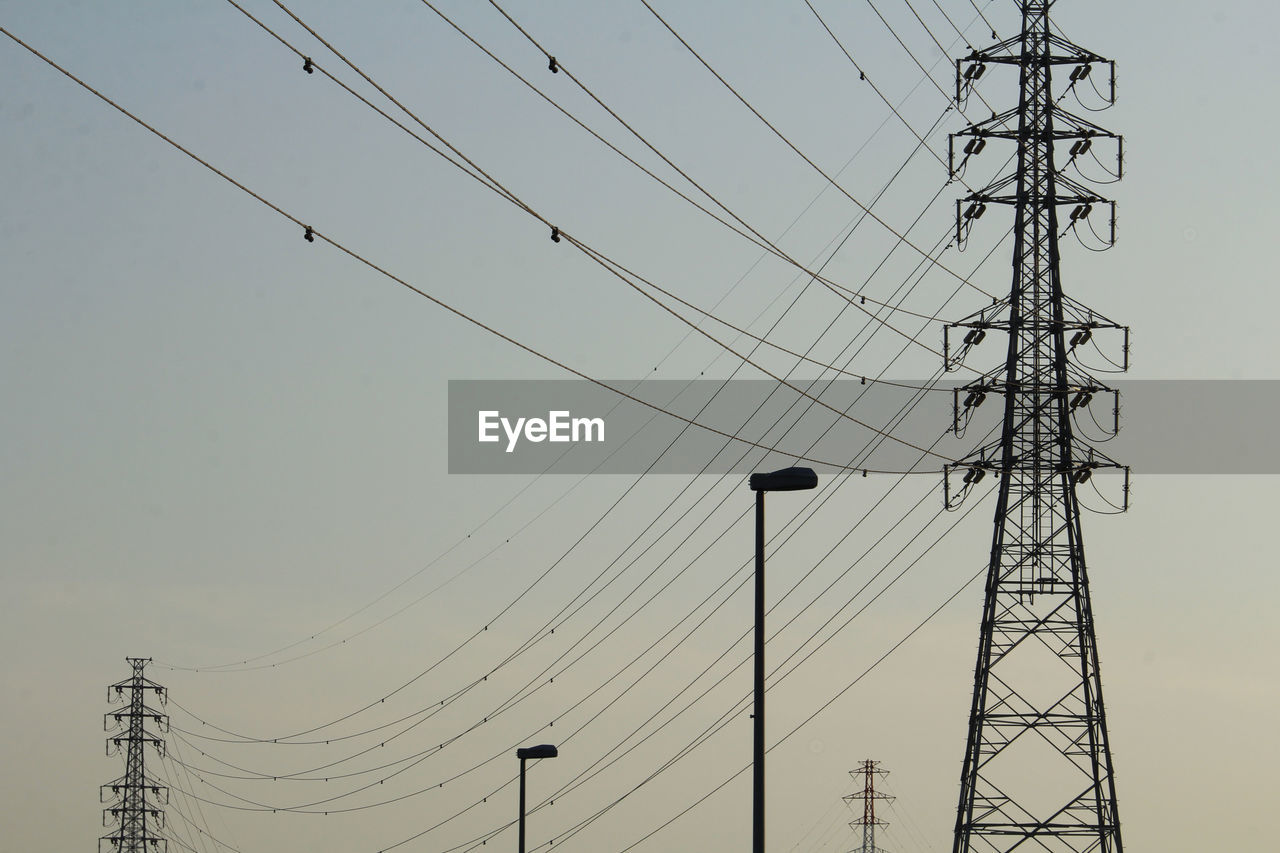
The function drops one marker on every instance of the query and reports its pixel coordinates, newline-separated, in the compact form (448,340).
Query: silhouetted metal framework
(135,798)
(868,772)
(1037,771)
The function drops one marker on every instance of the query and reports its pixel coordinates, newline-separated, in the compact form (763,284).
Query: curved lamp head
(545,750)
(786,480)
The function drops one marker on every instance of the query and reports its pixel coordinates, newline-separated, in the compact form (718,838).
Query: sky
(227,444)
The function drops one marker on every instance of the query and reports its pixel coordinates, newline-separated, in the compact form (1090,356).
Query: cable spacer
(555,234)
(310,235)
(307,66)
(551,63)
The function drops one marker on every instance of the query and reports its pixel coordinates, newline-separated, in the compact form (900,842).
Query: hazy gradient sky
(220,439)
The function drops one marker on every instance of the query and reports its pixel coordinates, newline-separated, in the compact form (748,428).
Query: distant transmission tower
(1037,765)
(867,774)
(134,799)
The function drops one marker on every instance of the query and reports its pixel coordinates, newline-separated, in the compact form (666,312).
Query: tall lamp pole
(524,753)
(786,480)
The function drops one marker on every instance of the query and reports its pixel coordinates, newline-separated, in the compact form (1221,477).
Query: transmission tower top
(866,774)
(134,799)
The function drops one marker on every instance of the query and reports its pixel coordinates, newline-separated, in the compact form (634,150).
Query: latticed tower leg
(1037,771)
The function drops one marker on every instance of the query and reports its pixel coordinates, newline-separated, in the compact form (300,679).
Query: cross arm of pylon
(1066,125)
(1009,52)
(1083,461)
(1004,190)
(969,69)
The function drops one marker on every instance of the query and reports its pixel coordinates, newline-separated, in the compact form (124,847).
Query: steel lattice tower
(134,798)
(869,770)
(1037,770)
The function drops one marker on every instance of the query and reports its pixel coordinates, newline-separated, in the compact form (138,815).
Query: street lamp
(786,480)
(524,753)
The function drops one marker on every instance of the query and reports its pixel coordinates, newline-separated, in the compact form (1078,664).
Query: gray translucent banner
(740,426)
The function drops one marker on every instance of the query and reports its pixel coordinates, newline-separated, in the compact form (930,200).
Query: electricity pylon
(1037,771)
(869,770)
(134,798)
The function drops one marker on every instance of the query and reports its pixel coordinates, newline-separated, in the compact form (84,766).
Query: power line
(558,66)
(205,163)
(557,616)
(518,651)
(247,664)
(950,22)
(225,667)
(533,680)
(315,234)
(554,618)
(990,25)
(862,75)
(571,735)
(867,671)
(557,234)
(911,53)
(7,33)
(875,217)
(573,784)
(743,228)
(168,140)
(570,786)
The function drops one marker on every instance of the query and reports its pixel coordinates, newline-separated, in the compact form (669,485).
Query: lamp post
(786,480)
(524,753)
